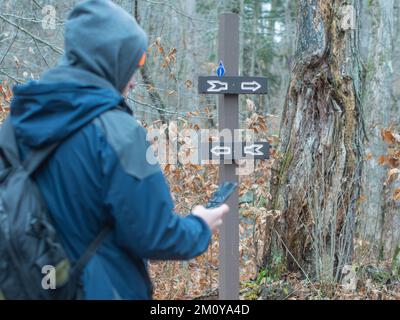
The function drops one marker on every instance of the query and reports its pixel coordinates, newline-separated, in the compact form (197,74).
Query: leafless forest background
(321,219)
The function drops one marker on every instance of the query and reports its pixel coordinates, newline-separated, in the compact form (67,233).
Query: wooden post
(228,113)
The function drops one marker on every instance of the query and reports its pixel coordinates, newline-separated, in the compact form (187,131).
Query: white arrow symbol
(254,150)
(218,150)
(254,86)
(214,83)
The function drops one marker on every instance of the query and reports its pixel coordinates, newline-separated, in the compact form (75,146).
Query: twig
(11,77)
(178,11)
(35,2)
(52,47)
(302,270)
(151,106)
(32,20)
(9,47)
(44,59)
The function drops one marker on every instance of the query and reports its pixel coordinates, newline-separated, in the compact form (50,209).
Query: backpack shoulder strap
(36,158)
(8,143)
(9,149)
(90,251)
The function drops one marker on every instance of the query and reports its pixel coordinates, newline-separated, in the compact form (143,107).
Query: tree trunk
(390,240)
(316,181)
(377,102)
(155,97)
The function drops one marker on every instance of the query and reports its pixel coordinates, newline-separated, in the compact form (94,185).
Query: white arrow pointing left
(253,86)
(218,150)
(254,150)
(213,83)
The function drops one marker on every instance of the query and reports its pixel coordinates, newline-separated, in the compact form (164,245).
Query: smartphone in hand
(222,194)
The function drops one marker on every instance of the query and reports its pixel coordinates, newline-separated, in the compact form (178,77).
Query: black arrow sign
(233,85)
(226,151)
(256,150)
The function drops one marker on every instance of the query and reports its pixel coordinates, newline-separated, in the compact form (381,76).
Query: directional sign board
(233,85)
(256,150)
(247,150)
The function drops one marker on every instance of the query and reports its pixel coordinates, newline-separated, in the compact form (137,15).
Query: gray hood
(102,42)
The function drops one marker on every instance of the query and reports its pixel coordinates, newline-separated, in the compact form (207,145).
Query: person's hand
(213,217)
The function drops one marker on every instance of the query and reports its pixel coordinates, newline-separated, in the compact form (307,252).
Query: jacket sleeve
(139,199)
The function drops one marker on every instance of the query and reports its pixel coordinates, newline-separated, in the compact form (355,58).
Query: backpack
(30,250)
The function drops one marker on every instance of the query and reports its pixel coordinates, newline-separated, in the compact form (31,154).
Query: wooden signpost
(228,84)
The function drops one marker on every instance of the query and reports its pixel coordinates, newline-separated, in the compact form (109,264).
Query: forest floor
(366,278)
(198,278)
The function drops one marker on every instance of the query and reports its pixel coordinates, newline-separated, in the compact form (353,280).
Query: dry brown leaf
(393,162)
(17,62)
(391,175)
(396,195)
(362,198)
(387,136)
(150,88)
(368,156)
(166,62)
(382,160)
(188,84)
(172,53)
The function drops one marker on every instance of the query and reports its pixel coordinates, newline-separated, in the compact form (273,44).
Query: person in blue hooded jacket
(99,174)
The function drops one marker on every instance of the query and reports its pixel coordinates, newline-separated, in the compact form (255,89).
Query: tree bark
(390,240)
(316,180)
(155,97)
(377,101)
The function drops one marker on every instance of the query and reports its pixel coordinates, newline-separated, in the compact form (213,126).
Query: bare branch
(54,48)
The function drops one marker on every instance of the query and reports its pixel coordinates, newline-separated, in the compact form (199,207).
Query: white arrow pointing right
(253,86)
(214,83)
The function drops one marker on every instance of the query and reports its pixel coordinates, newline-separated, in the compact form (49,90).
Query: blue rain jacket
(100,174)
